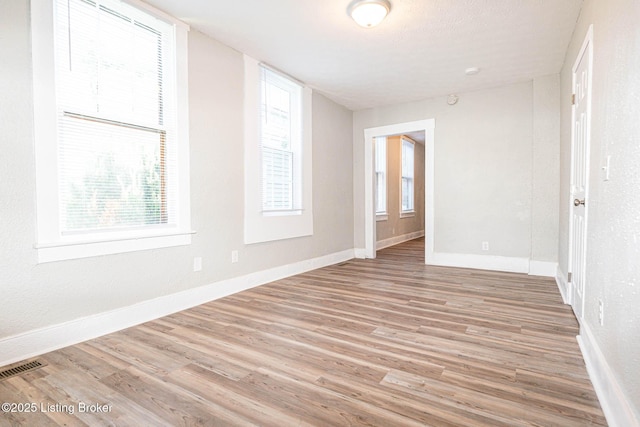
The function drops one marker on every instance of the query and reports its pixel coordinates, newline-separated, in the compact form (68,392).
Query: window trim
(51,245)
(260,226)
(408,213)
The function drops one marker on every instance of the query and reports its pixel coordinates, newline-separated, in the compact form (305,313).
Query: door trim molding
(426,125)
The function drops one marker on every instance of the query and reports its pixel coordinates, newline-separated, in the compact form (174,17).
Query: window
(381,176)
(280,143)
(278,164)
(112,157)
(407,176)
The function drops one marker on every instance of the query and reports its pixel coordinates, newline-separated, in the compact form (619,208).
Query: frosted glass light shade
(369,13)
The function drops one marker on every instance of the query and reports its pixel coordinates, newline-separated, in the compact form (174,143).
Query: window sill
(67,250)
(289,212)
(407,214)
(382,217)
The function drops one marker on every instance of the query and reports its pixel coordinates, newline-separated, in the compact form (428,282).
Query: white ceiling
(420,51)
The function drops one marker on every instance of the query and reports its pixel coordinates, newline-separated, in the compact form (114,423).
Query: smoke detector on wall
(452,99)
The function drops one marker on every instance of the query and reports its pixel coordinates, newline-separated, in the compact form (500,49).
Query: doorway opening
(427,126)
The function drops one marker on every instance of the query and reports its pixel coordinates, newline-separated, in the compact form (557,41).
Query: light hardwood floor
(385,342)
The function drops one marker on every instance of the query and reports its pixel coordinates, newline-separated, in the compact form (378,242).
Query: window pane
(277,179)
(116,142)
(381,205)
(407,175)
(407,159)
(280,142)
(381,171)
(381,154)
(111,176)
(405,194)
(276,121)
(113,67)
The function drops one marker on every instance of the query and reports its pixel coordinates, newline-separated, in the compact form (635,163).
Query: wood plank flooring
(385,342)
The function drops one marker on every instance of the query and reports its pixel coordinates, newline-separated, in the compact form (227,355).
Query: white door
(580,172)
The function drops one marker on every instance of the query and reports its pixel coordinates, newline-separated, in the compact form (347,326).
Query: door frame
(587,48)
(428,126)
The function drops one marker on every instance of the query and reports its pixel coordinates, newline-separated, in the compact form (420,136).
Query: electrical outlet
(485,246)
(197,263)
(601,312)
(234,256)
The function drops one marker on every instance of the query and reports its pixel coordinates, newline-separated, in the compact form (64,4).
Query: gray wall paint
(36,296)
(546,168)
(613,244)
(394,225)
(507,133)
(484,169)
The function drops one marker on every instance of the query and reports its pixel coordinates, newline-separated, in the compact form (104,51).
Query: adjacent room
(365,212)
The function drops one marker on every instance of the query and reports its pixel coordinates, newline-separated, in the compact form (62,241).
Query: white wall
(613,245)
(40,296)
(484,172)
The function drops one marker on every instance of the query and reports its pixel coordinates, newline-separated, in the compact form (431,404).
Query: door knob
(578,202)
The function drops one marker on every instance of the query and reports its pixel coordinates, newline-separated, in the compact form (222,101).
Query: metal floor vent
(19,369)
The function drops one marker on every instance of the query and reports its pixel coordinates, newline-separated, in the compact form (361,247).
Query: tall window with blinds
(278,202)
(111,128)
(381,174)
(408,165)
(116,117)
(280,143)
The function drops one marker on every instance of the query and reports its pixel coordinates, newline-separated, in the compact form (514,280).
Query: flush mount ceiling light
(369,13)
(472,71)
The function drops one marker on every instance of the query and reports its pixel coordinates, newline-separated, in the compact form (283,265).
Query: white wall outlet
(234,256)
(601,312)
(197,263)
(485,246)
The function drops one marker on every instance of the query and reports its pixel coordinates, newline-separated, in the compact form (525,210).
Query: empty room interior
(315,213)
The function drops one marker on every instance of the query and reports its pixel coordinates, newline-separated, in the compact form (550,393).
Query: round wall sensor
(452,99)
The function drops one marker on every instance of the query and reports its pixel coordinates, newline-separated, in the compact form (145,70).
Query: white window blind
(280,143)
(407,175)
(116,117)
(381,174)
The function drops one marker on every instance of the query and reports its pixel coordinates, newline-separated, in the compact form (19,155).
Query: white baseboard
(496,263)
(482,262)
(617,408)
(543,268)
(360,253)
(563,287)
(381,244)
(34,343)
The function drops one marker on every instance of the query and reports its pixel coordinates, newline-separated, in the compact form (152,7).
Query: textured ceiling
(420,51)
